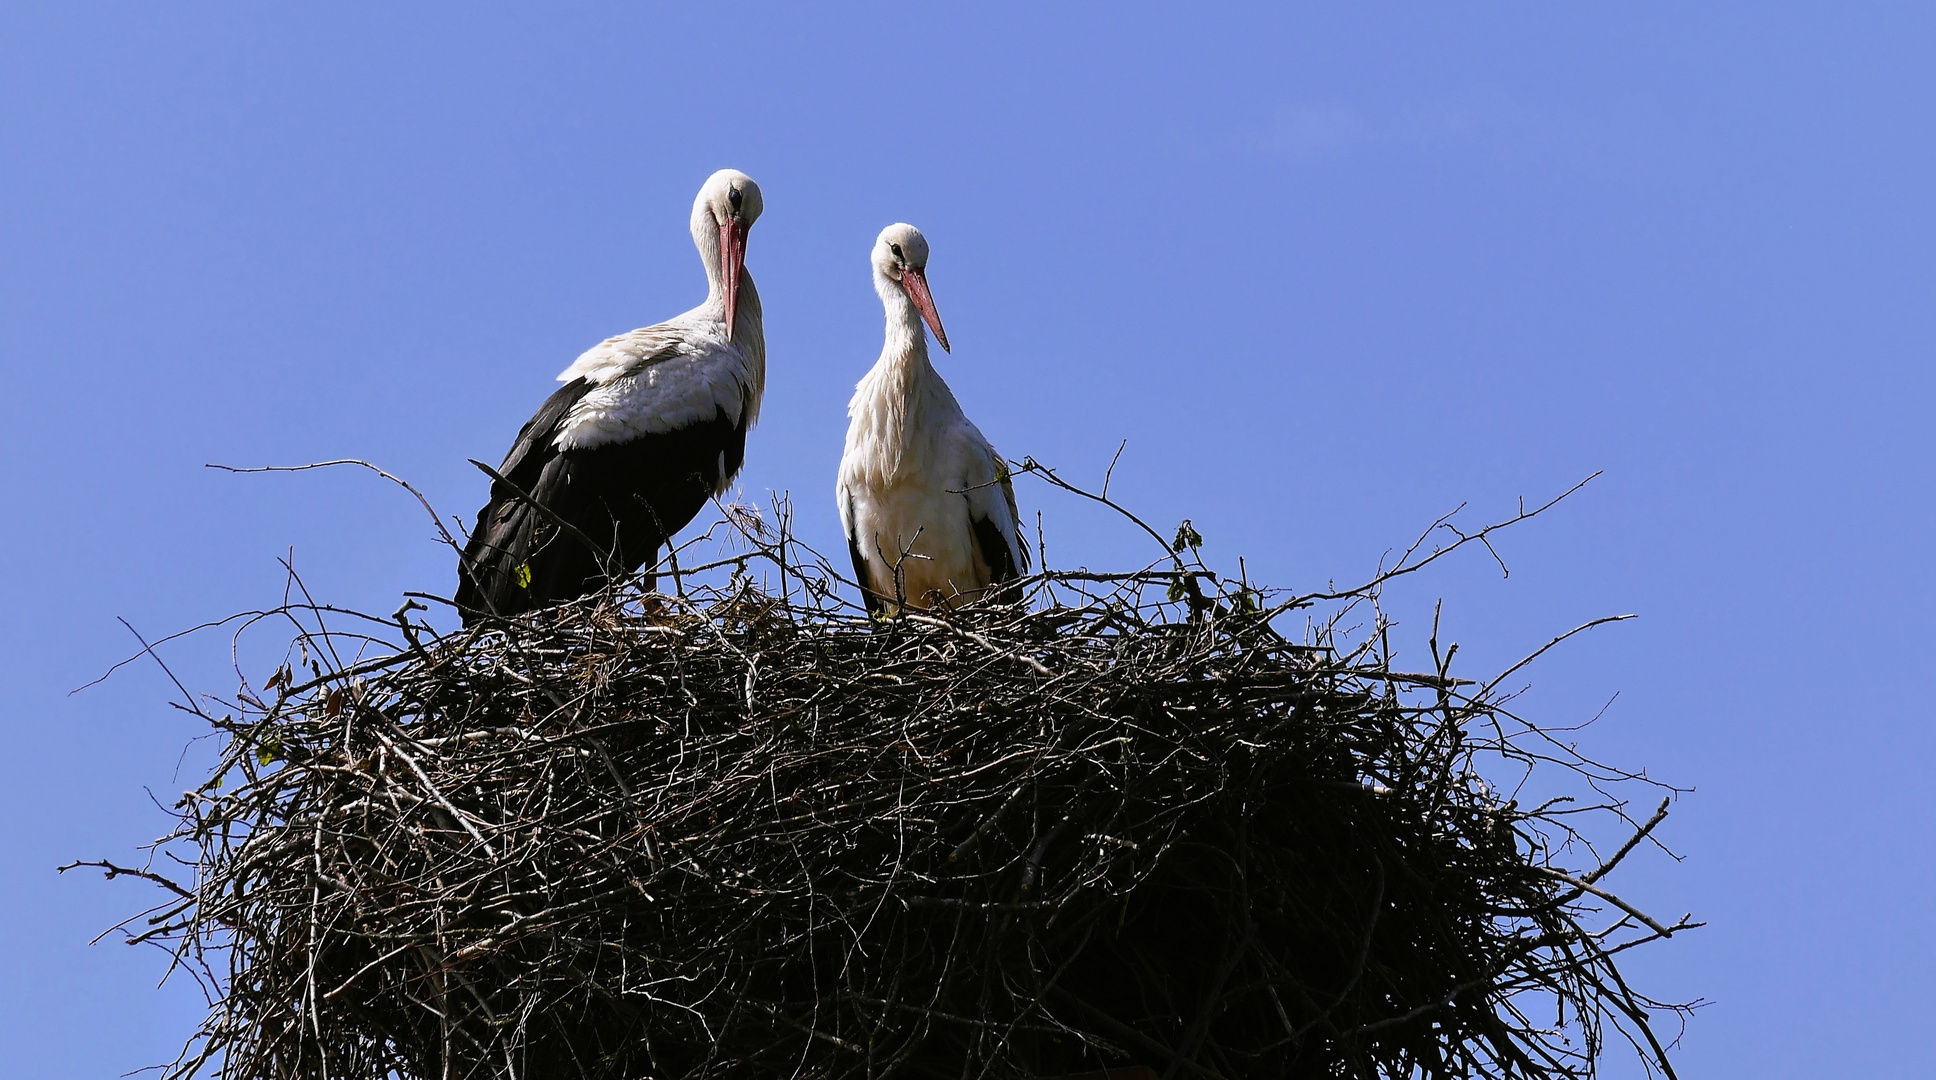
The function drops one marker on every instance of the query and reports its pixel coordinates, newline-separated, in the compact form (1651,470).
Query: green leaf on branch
(1187,537)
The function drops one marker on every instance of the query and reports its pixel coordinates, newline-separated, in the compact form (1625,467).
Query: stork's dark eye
(733,196)
(896,249)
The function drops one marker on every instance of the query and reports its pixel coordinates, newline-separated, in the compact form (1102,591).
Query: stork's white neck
(902,402)
(749,320)
(904,375)
(749,317)
(907,336)
(705,237)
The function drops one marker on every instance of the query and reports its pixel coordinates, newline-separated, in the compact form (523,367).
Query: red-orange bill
(732,263)
(916,284)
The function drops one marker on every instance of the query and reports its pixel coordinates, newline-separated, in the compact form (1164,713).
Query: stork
(646,428)
(925,501)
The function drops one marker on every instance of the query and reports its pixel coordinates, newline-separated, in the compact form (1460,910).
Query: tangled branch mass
(749,831)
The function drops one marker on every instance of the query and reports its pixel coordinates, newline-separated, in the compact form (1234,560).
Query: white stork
(648,426)
(925,500)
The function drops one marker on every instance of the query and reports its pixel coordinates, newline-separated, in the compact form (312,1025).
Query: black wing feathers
(996,551)
(537,439)
(875,604)
(625,498)
(500,541)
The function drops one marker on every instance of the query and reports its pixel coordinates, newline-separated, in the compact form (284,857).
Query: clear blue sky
(1330,269)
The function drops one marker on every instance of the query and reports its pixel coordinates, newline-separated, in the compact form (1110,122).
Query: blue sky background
(1331,270)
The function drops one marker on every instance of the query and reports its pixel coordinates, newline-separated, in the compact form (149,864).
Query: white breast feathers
(653,381)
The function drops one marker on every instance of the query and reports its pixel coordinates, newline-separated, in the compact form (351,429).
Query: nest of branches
(746,830)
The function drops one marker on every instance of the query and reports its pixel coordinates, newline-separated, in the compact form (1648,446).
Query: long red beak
(916,284)
(732,262)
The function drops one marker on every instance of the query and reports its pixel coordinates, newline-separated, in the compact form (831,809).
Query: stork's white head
(722,216)
(901,266)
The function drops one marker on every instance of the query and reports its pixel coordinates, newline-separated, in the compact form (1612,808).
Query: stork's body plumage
(926,502)
(647,427)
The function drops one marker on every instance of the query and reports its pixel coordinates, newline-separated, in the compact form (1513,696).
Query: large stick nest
(748,831)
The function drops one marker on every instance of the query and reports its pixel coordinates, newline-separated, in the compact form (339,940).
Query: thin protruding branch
(449,540)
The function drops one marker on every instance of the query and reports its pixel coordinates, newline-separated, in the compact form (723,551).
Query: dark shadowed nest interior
(1161,818)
